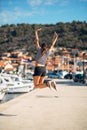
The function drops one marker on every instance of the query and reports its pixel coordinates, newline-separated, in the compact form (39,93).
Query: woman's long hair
(43,48)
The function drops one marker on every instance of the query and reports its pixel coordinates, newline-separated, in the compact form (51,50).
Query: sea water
(9,97)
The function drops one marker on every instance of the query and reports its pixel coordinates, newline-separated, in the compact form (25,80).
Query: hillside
(22,35)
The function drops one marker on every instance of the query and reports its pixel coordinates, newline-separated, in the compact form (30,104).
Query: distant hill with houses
(22,36)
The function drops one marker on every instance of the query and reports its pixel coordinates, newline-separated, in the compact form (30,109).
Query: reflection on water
(9,97)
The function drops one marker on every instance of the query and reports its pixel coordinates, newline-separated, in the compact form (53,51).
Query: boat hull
(2,93)
(20,89)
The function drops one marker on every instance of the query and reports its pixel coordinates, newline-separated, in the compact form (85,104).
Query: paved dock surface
(47,109)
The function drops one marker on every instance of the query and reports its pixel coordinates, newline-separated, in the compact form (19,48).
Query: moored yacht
(16,86)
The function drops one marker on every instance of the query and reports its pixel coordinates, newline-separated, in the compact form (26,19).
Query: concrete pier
(47,109)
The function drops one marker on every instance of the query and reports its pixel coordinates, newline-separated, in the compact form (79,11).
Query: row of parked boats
(10,83)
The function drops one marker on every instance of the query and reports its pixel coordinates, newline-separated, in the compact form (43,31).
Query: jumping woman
(40,69)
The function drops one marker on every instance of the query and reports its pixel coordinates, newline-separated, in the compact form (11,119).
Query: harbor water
(9,97)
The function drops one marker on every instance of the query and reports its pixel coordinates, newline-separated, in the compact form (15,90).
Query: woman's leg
(39,82)
(36,81)
(39,76)
(42,78)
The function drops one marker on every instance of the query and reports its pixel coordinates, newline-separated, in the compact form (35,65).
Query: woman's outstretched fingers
(55,34)
(39,29)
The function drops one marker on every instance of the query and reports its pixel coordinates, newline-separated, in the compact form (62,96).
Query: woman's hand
(55,35)
(39,29)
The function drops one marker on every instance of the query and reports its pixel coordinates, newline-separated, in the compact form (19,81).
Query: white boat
(3,90)
(1,94)
(15,85)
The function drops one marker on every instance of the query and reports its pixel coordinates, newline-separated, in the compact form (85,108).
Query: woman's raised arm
(37,38)
(55,38)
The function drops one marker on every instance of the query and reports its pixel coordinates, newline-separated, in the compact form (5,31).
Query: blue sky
(42,11)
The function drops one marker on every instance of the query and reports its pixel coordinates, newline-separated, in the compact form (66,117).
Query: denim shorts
(40,71)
